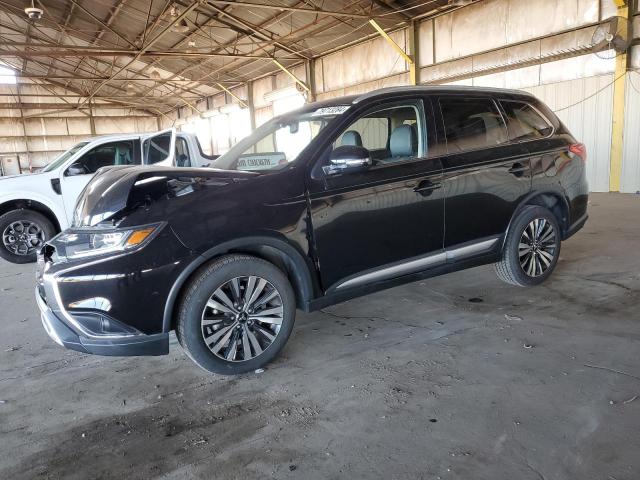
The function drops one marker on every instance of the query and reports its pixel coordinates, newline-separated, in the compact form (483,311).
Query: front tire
(23,232)
(236,314)
(531,249)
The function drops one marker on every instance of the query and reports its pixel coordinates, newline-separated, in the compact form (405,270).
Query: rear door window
(524,122)
(157,148)
(472,123)
(182,153)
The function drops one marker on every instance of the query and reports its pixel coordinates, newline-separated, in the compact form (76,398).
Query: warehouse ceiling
(163,54)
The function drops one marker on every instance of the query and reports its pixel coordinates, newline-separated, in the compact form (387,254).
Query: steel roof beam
(50,42)
(84,51)
(213,18)
(231,65)
(303,10)
(146,47)
(99,78)
(105,25)
(253,28)
(390,6)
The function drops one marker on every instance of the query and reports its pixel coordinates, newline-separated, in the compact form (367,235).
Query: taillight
(580,150)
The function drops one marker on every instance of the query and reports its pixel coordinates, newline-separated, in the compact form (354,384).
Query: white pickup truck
(34,208)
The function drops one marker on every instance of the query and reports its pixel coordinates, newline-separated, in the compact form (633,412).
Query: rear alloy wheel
(531,249)
(236,314)
(23,232)
(537,247)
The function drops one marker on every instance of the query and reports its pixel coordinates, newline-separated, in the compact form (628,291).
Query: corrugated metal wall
(42,135)
(585,107)
(631,153)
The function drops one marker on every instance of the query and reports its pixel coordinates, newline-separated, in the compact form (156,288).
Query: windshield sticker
(337,110)
(261,161)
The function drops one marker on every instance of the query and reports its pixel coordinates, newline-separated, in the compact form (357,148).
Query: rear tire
(531,249)
(23,232)
(236,314)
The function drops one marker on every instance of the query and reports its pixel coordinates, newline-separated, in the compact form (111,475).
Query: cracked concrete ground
(414,382)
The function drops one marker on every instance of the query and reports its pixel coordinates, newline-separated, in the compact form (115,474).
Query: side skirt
(460,257)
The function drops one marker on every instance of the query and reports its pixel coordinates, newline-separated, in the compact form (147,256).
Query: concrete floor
(457,377)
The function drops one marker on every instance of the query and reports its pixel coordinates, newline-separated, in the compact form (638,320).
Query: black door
(370,224)
(485,175)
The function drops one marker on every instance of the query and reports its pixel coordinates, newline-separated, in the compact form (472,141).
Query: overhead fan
(611,37)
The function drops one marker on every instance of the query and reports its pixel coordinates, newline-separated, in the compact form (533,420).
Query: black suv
(336,200)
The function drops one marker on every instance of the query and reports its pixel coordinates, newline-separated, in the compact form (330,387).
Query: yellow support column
(410,59)
(240,101)
(303,85)
(617,131)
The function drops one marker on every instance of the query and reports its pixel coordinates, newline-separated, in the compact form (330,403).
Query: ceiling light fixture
(181,27)
(33,13)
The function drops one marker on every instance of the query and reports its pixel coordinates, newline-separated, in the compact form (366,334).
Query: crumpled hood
(113,191)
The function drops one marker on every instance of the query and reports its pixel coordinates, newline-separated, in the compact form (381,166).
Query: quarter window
(524,122)
(472,123)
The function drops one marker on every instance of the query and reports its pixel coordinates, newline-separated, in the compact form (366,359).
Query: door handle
(426,187)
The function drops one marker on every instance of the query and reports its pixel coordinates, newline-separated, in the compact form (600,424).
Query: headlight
(79,243)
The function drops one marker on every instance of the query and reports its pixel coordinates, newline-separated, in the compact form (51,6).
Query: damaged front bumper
(67,336)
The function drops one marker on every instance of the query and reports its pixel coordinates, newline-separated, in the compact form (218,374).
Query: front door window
(390,135)
(105,155)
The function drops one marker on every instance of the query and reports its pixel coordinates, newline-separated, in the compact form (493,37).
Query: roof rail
(435,89)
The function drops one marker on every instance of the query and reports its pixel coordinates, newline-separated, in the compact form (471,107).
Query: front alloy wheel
(23,237)
(236,314)
(242,318)
(23,232)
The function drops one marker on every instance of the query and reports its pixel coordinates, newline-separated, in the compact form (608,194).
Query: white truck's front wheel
(23,232)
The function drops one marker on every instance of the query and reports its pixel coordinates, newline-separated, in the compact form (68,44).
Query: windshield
(278,142)
(64,157)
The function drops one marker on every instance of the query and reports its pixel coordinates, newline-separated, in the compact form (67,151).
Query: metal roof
(168,53)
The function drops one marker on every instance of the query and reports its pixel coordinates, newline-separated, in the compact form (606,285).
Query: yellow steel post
(240,101)
(413,44)
(617,131)
(292,75)
(410,59)
(310,72)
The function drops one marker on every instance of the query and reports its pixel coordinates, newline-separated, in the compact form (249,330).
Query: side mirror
(76,169)
(348,158)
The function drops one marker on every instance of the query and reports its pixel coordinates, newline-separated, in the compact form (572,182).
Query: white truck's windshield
(64,157)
